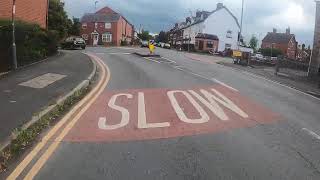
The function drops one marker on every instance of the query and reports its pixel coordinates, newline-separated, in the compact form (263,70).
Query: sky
(260,16)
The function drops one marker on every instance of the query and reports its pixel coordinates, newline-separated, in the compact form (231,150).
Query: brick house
(206,42)
(33,11)
(106,27)
(285,42)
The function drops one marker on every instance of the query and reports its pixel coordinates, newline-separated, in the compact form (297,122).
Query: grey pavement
(287,149)
(19,103)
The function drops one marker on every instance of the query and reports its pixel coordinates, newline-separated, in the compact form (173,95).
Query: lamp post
(14,48)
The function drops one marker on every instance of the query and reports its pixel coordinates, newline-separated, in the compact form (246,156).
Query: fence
(295,70)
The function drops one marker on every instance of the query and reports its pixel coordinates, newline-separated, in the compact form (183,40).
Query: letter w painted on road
(211,102)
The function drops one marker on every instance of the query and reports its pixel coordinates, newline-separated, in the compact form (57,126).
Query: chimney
(274,30)
(288,30)
(219,6)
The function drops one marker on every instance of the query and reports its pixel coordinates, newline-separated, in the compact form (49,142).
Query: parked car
(73,43)
(167,46)
(144,44)
(258,57)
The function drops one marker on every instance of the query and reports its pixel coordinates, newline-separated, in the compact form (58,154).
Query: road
(182,118)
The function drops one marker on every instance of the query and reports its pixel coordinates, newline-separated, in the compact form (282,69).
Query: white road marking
(142,119)
(43,80)
(225,85)
(12,101)
(172,61)
(278,83)
(311,133)
(125,115)
(7,91)
(179,111)
(119,53)
(151,60)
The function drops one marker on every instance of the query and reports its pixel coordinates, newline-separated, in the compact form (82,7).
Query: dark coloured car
(73,43)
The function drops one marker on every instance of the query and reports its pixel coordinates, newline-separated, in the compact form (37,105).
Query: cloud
(259,16)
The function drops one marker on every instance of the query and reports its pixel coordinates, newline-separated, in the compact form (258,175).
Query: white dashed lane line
(311,133)
(225,85)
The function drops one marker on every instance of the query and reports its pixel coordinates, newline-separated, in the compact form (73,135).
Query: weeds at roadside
(23,139)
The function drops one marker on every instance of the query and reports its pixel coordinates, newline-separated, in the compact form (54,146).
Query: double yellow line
(70,119)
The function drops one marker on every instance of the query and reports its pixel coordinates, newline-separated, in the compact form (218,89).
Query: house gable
(223,24)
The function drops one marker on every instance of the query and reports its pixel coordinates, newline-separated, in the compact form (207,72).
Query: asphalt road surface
(178,117)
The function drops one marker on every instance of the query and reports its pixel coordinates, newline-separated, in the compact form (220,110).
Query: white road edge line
(251,74)
(311,133)
(225,85)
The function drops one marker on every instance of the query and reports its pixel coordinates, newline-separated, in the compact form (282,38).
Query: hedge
(33,43)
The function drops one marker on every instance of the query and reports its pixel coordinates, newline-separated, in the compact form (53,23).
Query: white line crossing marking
(225,85)
(311,133)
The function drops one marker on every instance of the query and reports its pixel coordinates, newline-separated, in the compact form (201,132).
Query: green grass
(24,139)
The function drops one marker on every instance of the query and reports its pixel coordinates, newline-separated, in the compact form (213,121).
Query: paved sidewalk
(285,79)
(28,91)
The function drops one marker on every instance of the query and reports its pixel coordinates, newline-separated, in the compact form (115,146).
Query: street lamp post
(14,48)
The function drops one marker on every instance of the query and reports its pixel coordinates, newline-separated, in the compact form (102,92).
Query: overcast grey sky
(260,16)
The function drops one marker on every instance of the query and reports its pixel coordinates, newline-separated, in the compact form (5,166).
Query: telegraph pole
(14,48)
(241,25)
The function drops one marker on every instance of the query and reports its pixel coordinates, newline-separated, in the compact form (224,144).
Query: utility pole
(241,25)
(14,48)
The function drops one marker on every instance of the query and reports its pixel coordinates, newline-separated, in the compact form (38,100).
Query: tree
(75,27)
(145,35)
(303,47)
(58,18)
(253,43)
(162,37)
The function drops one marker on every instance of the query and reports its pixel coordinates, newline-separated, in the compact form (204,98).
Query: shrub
(32,42)
(267,52)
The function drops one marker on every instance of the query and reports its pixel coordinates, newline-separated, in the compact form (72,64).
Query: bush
(33,43)
(267,52)
(123,43)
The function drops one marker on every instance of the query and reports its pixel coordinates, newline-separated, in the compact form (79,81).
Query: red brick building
(106,27)
(33,11)
(206,42)
(285,42)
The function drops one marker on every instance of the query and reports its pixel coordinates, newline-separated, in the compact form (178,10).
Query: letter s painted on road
(125,116)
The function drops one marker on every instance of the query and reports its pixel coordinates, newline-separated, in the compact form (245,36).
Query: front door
(200,45)
(95,39)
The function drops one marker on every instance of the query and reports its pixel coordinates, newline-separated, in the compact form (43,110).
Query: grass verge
(23,139)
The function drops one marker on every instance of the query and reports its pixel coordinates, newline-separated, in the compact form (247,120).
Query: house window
(229,34)
(107,38)
(95,25)
(107,25)
(209,44)
(228,46)
(85,36)
(197,43)
(84,26)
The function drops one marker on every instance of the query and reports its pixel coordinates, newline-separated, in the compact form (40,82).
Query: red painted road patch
(165,113)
